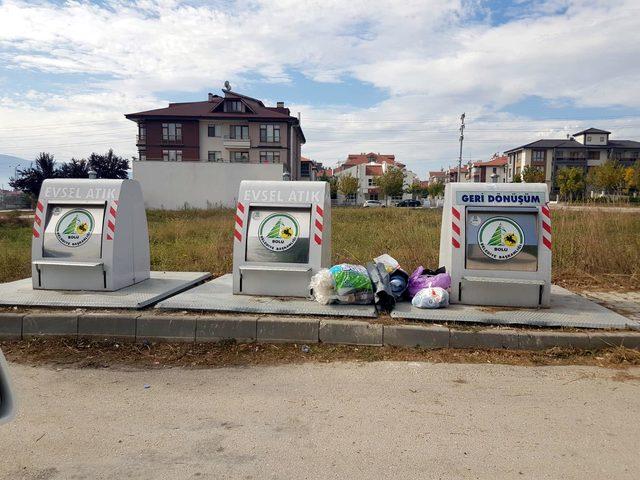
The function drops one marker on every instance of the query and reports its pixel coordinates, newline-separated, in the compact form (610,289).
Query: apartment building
(366,167)
(438,176)
(586,149)
(491,171)
(234,128)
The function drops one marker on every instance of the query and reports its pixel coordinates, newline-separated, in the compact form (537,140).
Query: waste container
(496,244)
(282,237)
(89,235)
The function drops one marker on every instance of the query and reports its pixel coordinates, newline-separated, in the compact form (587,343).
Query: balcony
(236,143)
(141,139)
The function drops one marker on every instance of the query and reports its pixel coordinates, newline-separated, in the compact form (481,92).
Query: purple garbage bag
(418,281)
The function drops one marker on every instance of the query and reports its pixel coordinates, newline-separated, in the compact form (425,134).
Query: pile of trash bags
(381,282)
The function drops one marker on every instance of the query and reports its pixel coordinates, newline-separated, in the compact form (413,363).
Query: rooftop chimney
(280,105)
(211,97)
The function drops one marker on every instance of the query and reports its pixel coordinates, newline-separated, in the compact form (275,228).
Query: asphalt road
(355,421)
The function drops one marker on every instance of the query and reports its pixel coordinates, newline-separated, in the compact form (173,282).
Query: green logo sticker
(500,238)
(75,228)
(278,232)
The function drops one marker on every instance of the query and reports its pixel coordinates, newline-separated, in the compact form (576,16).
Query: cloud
(434,59)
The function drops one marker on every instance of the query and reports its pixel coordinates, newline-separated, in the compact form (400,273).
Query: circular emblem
(500,238)
(278,232)
(74,228)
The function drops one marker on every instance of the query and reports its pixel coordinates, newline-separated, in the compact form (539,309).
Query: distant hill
(7,163)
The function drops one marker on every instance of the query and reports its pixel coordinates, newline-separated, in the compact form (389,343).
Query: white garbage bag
(431,297)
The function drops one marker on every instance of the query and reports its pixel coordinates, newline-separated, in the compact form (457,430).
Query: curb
(137,327)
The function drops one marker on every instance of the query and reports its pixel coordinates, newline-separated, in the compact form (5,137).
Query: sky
(369,75)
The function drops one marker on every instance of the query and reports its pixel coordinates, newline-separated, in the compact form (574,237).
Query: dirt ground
(63,353)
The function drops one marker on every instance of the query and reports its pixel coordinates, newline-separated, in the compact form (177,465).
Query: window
(214,156)
(593,155)
(351,196)
(172,132)
(370,182)
(396,197)
(270,133)
(233,106)
(143,157)
(214,131)
(602,139)
(142,132)
(240,132)
(305,171)
(538,156)
(172,155)
(373,196)
(271,157)
(588,139)
(240,157)
(494,170)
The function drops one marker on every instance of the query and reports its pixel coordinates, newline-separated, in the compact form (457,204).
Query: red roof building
(491,171)
(235,128)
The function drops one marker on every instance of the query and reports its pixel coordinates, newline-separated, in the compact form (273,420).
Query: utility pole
(461,139)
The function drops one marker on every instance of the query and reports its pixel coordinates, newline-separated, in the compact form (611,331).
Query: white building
(366,167)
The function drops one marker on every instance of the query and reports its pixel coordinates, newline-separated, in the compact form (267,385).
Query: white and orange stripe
(546,226)
(318,225)
(455,227)
(112,214)
(237,231)
(37,219)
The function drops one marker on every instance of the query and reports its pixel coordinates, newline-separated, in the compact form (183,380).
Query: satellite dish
(227,85)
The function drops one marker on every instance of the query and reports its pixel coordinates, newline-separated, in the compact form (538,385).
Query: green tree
(74,169)
(29,180)
(608,177)
(531,174)
(109,165)
(391,182)
(517,178)
(415,189)
(570,182)
(333,184)
(436,189)
(348,185)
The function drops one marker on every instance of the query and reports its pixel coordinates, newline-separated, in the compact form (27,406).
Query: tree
(29,180)
(570,181)
(516,178)
(348,185)
(109,165)
(333,184)
(632,176)
(74,169)
(414,189)
(608,177)
(391,182)
(436,189)
(531,174)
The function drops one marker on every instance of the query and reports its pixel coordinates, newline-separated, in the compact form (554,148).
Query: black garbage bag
(383,296)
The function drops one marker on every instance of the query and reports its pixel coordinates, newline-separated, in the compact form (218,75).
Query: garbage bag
(344,283)
(431,297)
(419,280)
(398,278)
(382,295)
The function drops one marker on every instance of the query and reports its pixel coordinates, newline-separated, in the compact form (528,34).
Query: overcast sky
(388,77)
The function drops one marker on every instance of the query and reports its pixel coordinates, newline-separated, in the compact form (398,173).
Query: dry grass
(72,354)
(599,249)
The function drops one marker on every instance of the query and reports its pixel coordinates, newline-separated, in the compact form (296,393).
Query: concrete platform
(567,310)
(160,286)
(217,296)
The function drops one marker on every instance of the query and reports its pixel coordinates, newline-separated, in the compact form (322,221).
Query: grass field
(591,248)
